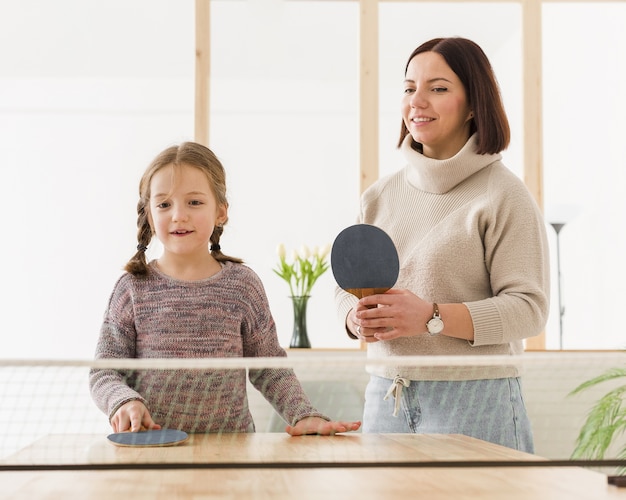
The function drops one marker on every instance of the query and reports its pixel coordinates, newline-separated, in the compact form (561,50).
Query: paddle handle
(365,292)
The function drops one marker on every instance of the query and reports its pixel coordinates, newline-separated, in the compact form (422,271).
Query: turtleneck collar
(440,176)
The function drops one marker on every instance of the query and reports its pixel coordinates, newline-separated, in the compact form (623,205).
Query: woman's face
(434,107)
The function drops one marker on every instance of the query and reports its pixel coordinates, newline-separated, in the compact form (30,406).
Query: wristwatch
(435,324)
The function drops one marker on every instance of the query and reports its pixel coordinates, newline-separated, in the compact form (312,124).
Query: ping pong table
(278,466)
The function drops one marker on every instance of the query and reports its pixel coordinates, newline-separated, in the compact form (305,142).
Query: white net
(44,398)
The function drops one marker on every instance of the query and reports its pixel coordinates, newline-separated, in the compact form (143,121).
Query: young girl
(193,302)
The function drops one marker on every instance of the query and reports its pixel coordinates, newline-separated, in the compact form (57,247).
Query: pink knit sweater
(226,315)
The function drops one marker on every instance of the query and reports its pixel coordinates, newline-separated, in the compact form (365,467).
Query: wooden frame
(203,71)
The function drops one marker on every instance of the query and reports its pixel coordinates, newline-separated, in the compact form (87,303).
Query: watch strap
(436,310)
(435,324)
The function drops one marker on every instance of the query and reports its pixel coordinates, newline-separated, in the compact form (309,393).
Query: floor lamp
(557,228)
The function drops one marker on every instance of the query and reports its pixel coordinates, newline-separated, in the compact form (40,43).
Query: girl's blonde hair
(188,153)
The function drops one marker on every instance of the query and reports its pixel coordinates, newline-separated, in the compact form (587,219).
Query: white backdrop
(90,91)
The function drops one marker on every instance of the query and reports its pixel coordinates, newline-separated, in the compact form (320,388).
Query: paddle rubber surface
(160,437)
(364,260)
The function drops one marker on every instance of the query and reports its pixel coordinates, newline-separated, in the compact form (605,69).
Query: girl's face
(183,210)
(434,107)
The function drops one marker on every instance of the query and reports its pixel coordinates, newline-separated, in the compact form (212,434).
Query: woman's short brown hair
(471,65)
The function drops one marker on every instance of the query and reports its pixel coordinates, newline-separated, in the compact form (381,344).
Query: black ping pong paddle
(160,437)
(364,260)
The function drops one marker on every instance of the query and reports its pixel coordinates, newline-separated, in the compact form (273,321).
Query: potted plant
(606,420)
(301,274)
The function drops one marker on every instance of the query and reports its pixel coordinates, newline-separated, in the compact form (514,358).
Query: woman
(474,273)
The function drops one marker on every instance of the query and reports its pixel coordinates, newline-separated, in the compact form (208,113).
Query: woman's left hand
(396,313)
(317,425)
(400,313)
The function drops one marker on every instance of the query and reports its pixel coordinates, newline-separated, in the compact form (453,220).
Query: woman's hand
(317,425)
(396,313)
(133,416)
(400,313)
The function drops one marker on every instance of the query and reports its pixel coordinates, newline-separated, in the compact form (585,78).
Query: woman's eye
(409,91)
(439,89)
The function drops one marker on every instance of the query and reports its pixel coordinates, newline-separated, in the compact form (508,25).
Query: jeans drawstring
(395,390)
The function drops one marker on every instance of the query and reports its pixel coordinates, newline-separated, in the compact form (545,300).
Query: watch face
(435,325)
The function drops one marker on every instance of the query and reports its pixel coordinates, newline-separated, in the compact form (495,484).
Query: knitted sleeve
(110,388)
(280,387)
(516,256)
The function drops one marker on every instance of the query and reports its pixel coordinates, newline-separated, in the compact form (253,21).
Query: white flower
(280,250)
(304,270)
(324,251)
(304,253)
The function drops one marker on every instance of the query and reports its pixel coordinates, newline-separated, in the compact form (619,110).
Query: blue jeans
(492,410)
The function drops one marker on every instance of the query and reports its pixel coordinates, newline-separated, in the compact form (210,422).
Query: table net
(49,419)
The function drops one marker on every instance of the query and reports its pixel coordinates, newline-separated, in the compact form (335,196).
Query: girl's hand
(133,417)
(317,425)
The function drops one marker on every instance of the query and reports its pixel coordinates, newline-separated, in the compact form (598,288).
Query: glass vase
(299,337)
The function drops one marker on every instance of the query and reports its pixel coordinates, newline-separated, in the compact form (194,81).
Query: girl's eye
(195,202)
(164,204)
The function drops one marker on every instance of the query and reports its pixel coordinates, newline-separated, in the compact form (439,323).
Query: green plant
(306,267)
(605,421)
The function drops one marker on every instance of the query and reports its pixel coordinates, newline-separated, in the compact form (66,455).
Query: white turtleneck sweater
(468,231)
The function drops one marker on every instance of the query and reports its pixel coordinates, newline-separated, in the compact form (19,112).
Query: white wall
(90,91)
(585,168)
(87,101)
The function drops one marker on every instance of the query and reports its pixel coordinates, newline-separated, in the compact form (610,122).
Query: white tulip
(280,250)
(324,252)
(305,253)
